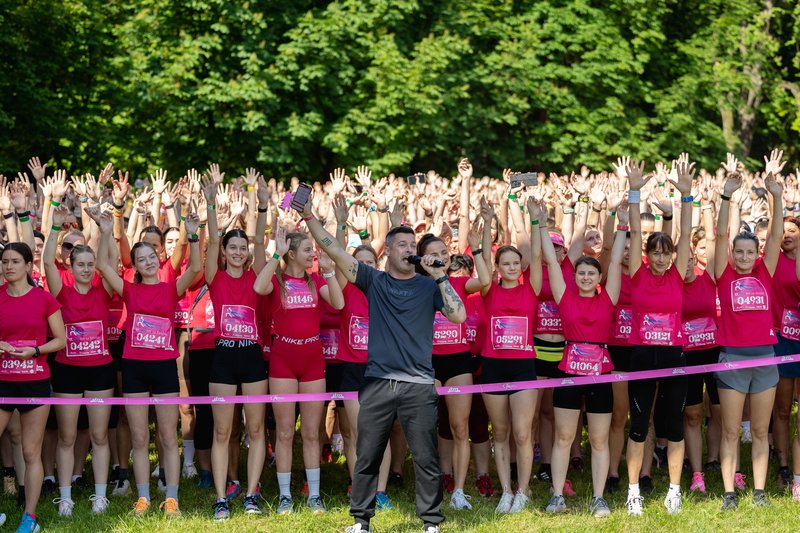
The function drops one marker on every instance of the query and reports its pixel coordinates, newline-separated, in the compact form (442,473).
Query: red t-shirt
(151,308)
(329,332)
(449,338)
(295,307)
(202,318)
(699,313)
(548,316)
(265,325)
(587,320)
(745,299)
(623,314)
(235,303)
(657,308)
(475,325)
(86,322)
(354,326)
(184,306)
(23,322)
(510,314)
(116,318)
(786,292)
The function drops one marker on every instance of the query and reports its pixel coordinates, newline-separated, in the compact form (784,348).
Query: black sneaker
(396,479)
(513,472)
(645,485)
(784,478)
(660,455)
(576,463)
(687,468)
(729,502)
(48,488)
(713,466)
(760,499)
(612,485)
(80,483)
(544,473)
(114,476)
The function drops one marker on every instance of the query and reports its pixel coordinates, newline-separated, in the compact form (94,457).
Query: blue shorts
(787,347)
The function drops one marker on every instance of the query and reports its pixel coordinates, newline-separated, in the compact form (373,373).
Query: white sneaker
(520,502)
(189,471)
(506,501)
(2,518)
(673,502)
(747,436)
(459,500)
(156,471)
(432,529)
(65,506)
(121,488)
(162,487)
(635,505)
(99,503)
(337,443)
(356,528)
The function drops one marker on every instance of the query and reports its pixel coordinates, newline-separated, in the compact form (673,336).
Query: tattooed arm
(345,262)
(453,308)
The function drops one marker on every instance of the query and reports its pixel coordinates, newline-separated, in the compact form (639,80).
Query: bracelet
(37,352)
(687,199)
(54,203)
(634,197)
(55,228)
(623,227)
(477,251)
(120,206)
(267,231)
(596,210)
(118,213)
(183,218)
(383,210)
(263,209)
(364,234)
(193,236)
(441,280)
(612,213)
(328,275)
(568,210)
(583,199)
(9,215)
(251,188)
(534,222)
(170,206)
(343,227)
(662,185)
(309,217)
(696,203)
(83,199)
(24,219)
(24,214)
(212,207)
(201,225)
(512,196)
(706,207)
(667,217)
(276,256)
(194,239)
(657,217)
(348,202)
(725,198)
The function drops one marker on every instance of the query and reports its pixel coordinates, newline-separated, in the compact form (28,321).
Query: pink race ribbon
(568,381)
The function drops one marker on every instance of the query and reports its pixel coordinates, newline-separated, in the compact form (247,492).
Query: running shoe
(784,478)
(315,504)
(221,510)
(28,524)
(747,436)
(122,488)
(396,479)
(576,463)
(673,502)
(10,485)
(2,518)
(382,502)
(448,483)
(48,487)
(729,502)
(189,471)
(162,486)
(484,485)
(80,483)
(795,491)
(431,529)
(337,443)
(537,452)
(156,471)
(251,504)
(660,456)
(520,502)
(713,466)
(506,500)
(170,506)
(568,490)
(760,499)
(740,481)
(284,505)
(646,484)
(698,483)
(635,505)
(99,503)
(459,500)
(205,480)
(65,506)
(356,528)
(232,490)
(141,506)
(598,507)
(327,454)
(544,473)
(612,484)
(556,505)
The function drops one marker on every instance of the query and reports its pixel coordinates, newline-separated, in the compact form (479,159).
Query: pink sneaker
(698,482)
(795,491)
(739,481)
(568,490)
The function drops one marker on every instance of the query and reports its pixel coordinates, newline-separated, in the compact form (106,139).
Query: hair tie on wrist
(512,196)
(276,256)
(534,222)
(667,217)
(263,209)
(54,203)
(9,215)
(477,251)
(309,217)
(170,206)
(724,197)
(623,227)
(116,206)
(55,228)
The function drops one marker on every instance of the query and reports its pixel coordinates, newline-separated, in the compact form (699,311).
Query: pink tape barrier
(443,391)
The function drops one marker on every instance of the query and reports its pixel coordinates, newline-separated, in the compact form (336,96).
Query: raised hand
(623,216)
(661,201)
(263,193)
(37,169)
(281,242)
(397,213)
(580,183)
(216,175)
(340,209)
(487,211)
(20,194)
(635,172)
(251,176)
(731,165)
(59,183)
(465,169)
(192,223)
(159,181)
(92,190)
(324,261)
(772,184)
(5,196)
(685,171)
(364,176)
(621,168)
(106,174)
(732,184)
(58,215)
(774,164)
(534,209)
(338,180)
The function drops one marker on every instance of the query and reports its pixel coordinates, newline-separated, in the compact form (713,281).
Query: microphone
(415,259)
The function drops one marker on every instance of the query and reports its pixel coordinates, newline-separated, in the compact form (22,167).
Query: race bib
(330,342)
(210,319)
(509,333)
(624,324)
(182,311)
(359,332)
(584,359)
(12,365)
(297,295)
(238,322)
(700,333)
(444,331)
(790,324)
(658,329)
(85,339)
(114,331)
(548,318)
(748,294)
(151,332)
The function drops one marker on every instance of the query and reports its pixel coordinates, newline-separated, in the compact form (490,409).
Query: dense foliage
(401,85)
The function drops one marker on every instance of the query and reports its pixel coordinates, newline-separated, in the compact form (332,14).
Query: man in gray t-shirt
(399,377)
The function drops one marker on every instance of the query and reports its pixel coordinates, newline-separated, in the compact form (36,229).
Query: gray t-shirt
(401,315)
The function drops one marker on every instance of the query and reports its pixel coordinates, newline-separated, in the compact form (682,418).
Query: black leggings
(199,375)
(671,400)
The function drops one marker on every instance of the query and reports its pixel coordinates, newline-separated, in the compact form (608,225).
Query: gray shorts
(747,380)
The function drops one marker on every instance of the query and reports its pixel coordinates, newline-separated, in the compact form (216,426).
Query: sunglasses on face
(67,246)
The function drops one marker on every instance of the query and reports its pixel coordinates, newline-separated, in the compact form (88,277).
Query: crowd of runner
(212,286)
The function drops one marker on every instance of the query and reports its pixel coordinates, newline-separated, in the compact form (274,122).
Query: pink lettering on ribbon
(238,322)
(749,294)
(444,331)
(509,333)
(151,332)
(359,332)
(85,339)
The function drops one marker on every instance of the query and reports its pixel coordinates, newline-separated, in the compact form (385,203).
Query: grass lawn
(700,513)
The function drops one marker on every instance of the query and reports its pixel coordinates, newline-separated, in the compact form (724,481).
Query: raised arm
(775,188)
(263,283)
(106,269)
(683,184)
(332,291)
(344,261)
(195,265)
(721,245)
(614,275)
(54,284)
(557,284)
(538,213)
(20,199)
(212,250)
(484,278)
(636,181)
(465,172)
(259,248)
